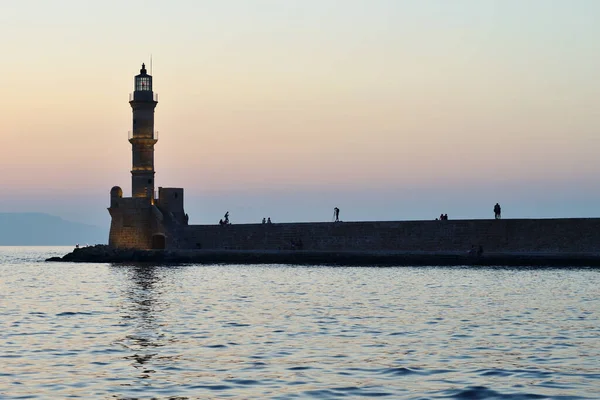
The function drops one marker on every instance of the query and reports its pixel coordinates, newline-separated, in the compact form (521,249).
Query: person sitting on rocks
(472,252)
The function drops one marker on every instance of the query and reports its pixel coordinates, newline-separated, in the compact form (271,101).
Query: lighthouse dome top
(143,71)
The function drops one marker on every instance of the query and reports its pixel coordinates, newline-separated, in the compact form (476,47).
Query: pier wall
(572,235)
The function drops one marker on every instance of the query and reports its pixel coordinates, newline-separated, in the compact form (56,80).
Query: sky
(388,109)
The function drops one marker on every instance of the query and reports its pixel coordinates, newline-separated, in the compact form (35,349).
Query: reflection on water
(141,332)
(141,305)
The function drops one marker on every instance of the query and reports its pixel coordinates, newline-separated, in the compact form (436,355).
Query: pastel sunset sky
(388,109)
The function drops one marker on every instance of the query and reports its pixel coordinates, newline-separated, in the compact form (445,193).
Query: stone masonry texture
(578,235)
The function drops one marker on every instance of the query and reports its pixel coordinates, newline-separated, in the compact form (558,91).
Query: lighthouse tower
(142,136)
(145,221)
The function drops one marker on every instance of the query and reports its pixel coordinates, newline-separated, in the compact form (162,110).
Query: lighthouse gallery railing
(142,136)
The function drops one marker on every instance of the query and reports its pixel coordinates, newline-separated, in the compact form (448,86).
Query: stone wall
(170,203)
(133,222)
(509,235)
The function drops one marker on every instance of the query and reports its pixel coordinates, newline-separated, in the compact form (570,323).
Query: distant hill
(38,229)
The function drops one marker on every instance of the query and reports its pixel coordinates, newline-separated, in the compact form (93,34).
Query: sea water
(105,331)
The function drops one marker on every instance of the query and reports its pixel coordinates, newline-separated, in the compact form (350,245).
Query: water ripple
(255,332)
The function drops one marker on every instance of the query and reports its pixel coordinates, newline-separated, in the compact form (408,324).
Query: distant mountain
(38,229)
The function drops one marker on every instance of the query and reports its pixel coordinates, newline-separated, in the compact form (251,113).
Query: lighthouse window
(142,83)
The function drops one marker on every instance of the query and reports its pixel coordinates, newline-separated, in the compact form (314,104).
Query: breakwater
(564,235)
(566,241)
(104,254)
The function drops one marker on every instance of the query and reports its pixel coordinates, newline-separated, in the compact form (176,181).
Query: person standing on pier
(497,211)
(336,214)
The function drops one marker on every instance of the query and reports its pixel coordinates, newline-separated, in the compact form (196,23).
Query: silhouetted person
(268,220)
(497,211)
(445,217)
(336,214)
(221,222)
(441,217)
(226,220)
(264,221)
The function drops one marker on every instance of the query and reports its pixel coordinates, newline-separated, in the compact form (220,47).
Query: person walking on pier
(336,214)
(497,211)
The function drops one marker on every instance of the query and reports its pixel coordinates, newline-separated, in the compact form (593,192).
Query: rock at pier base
(105,254)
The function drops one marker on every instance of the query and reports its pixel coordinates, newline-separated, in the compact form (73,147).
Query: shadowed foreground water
(253,332)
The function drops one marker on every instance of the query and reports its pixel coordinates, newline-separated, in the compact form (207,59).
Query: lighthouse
(144,220)
(143,137)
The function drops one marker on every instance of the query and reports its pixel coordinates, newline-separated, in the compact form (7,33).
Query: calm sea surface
(283,332)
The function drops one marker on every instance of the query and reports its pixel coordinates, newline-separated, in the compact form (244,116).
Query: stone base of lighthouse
(146,223)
